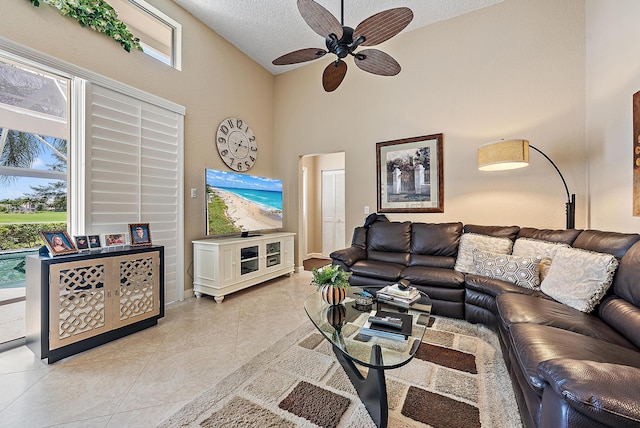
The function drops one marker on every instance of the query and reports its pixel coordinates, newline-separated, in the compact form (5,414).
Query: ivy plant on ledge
(97,15)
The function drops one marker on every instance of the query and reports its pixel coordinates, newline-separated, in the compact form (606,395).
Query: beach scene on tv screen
(241,202)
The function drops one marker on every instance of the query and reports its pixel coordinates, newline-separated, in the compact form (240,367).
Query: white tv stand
(227,264)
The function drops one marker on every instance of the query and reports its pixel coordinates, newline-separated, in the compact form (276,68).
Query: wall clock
(236,144)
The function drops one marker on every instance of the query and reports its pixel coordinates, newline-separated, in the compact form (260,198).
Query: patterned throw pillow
(579,278)
(471,241)
(521,271)
(544,251)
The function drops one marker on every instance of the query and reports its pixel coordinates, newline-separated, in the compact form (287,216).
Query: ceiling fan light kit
(343,41)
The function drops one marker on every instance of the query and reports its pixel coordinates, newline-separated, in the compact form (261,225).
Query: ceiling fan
(343,41)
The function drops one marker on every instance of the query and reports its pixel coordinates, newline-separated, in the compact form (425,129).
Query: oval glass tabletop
(342,325)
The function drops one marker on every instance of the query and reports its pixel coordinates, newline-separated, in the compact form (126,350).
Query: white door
(333,217)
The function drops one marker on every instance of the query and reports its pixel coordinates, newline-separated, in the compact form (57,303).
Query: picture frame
(636,154)
(139,234)
(94,242)
(58,242)
(410,175)
(114,239)
(82,243)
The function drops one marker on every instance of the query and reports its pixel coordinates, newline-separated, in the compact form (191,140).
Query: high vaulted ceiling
(267,29)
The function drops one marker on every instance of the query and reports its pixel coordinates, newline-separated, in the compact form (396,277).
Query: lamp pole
(571,198)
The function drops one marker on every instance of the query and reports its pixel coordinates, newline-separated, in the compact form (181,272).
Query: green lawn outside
(39,217)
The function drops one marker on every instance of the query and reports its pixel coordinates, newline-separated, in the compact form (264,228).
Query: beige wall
(613,76)
(511,70)
(216,81)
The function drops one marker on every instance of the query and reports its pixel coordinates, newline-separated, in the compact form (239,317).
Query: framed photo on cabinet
(58,242)
(94,241)
(139,234)
(114,239)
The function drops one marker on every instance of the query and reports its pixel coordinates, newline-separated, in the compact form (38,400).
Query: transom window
(160,36)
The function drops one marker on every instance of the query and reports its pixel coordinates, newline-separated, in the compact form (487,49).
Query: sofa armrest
(607,393)
(348,256)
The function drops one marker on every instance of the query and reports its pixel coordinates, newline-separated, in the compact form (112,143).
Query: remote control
(388,321)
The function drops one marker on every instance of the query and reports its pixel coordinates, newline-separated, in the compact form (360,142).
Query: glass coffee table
(341,325)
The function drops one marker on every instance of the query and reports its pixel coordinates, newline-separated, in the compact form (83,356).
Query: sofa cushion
(432,261)
(382,270)
(433,276)
(471,241)
(579,278)
(389,237)
(435,239)
(496,231)
(606,242)
(520,308)
(566,236)
(522,271)
(625,283)
(532,344)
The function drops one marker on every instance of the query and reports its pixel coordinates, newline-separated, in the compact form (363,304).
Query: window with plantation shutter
(133,172)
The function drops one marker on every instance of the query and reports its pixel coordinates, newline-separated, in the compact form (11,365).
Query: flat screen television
(242,203)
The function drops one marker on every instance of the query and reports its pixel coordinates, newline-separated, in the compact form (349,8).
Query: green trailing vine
(97,15)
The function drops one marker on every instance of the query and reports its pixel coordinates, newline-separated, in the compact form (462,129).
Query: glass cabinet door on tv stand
(249,259)
(224,265)
(273,254)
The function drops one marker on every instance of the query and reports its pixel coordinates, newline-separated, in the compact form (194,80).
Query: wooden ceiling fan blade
(383,26)
(333,75)
(302,55)
(377,62)
(319,19)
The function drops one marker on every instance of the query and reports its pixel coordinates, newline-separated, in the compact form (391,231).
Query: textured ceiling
(267,29)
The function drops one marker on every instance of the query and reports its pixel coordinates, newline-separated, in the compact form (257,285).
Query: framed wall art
(636,154)
(139,234)
(58,242)
(410,175)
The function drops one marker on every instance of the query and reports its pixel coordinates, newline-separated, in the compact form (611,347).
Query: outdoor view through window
(33,177)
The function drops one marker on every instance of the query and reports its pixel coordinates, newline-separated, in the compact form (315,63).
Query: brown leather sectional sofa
(568,368)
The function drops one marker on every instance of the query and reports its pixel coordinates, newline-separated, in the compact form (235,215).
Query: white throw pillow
(521,271)
(471,241)
(544,251)
(579,278)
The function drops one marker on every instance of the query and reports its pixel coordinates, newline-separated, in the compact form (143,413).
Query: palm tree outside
(33,174)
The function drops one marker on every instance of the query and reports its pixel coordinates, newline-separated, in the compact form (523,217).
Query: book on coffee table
(397,333)
(390,295)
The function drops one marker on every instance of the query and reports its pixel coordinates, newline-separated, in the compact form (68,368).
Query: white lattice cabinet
(80,301)
(227,264)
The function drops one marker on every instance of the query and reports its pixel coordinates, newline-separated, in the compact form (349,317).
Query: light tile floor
(140,380)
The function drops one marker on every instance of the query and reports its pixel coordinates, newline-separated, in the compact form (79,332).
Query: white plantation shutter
(133,173)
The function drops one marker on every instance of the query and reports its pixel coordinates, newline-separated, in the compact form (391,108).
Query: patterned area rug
(457,379)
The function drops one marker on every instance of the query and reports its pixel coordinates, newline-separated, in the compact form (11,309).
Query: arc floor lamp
(512,154)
